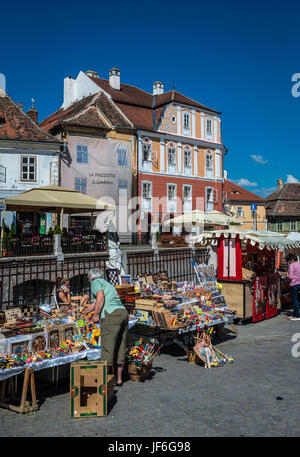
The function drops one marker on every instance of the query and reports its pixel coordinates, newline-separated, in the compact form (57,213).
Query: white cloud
(291,178)
(264,191)
(244,182)
(259,159)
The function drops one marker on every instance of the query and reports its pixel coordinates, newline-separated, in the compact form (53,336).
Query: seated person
(63,295)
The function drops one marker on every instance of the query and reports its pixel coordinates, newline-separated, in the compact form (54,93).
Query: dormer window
(186,123)
(209,128)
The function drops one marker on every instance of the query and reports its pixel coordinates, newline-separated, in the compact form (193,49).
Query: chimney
(114,78)
(92,73)
(33,114)
(225,174)
(280,183)
(70,90)
(158,88)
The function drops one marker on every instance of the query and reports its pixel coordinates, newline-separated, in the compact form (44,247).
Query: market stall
(247,269)
(173,311)
(32,339)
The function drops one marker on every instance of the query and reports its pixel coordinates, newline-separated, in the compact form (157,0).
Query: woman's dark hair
(290,257)
(60,282)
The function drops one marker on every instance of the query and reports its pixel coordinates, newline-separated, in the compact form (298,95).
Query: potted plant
(6,243)
(57,230)
(35,240)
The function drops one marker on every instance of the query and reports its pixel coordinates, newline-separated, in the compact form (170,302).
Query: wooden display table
(24,406)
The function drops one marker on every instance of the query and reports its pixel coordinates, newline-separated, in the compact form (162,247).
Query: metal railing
(32,280)
(25,246)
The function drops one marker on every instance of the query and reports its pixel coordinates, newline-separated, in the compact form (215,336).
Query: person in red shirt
(294,276)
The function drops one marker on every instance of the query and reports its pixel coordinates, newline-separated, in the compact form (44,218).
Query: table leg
(24,406)
(234,328)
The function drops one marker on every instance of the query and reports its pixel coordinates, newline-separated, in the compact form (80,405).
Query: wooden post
(92,214)
(61,218)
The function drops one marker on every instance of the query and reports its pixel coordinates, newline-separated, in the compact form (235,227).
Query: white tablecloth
(49,363)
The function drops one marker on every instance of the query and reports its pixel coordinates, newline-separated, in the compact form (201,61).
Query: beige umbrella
(197,217)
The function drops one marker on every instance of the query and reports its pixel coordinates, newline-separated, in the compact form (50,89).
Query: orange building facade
(180,163)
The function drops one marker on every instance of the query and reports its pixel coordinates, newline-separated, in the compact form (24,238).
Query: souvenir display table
(172,308)
(247,269)
(34,339)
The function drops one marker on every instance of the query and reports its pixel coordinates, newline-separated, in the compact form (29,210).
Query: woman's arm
(63,298)
(98,306)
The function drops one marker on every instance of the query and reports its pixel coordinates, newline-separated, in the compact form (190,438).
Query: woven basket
(139,374)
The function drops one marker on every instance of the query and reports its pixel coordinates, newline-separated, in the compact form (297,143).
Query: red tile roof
(15,124)
(95,110)
(239,194)
(141,107)
(284,201)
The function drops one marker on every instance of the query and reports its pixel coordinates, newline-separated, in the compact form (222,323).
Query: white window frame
(212,198)
(147,207)
(239,211)
(172,202)
(28,156)
(279,226)
(293,225)
(188,198)
(186,123)
(147,163)
(209,132)
(172,166)
(187,152)
(209,172)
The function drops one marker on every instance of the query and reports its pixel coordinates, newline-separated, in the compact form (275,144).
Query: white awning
(264,239)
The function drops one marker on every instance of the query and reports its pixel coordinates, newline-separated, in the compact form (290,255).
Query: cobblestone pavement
(258,395)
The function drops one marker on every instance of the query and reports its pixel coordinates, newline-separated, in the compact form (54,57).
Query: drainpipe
(225,151)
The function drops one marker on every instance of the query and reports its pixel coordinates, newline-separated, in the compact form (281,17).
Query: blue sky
(237,57)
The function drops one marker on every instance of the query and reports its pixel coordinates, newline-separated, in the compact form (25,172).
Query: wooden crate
(163,319)
(145,304)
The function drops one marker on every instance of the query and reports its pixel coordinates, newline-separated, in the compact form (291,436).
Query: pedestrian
(113,316)
(294,276)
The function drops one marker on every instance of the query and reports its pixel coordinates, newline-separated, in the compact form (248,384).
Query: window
(171,156)
(147,190)
(171,191)
(82,154)
(239,211)
(80,185)
(146,152)
(208,127)
(28,168)
(187,192)
(123,184)
(210,198)
(279,226)
(122,157)
(293,225)
(209,165)
(187,158)
(186,121)
(2,173)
